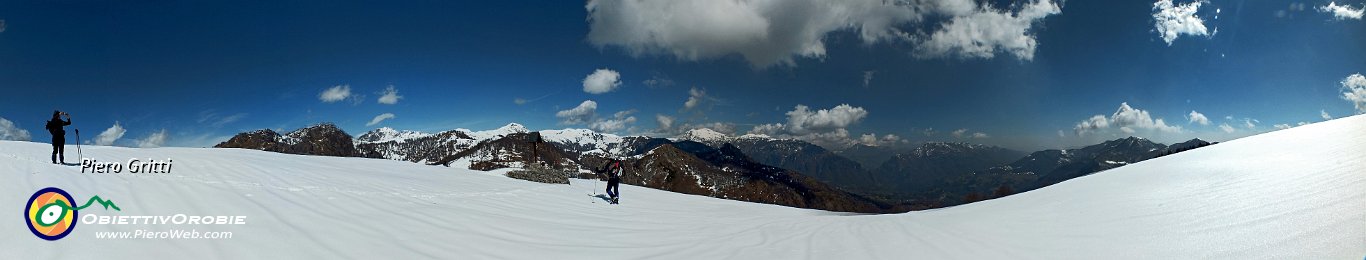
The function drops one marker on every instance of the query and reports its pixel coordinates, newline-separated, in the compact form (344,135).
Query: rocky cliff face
(322,139)
(515,150)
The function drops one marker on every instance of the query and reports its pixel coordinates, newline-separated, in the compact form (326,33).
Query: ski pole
(79,156)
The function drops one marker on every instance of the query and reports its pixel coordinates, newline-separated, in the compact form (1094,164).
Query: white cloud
(665,122)
(110,135)
(871,139)
(1325,115)
(12,132)
(1227,128)
(618,122)
(802,120)
(695,97)
(1355,87)
(336,93)
(587,113)
(963,133)
(824,127)
(520,101)
(389,96)
(1096,122)
(580,114)
(154,140)
(1342,12)
(960,132)
(767,32)
(1127,119)
(1174,20)
(1282,126)
(380,118)
(981,33)
(1197,117)
(1249,123)
(601,81)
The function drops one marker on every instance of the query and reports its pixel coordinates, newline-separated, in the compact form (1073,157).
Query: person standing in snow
(56,128)
(614,180)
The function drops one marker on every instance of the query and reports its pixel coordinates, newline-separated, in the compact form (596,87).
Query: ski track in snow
(1290,194)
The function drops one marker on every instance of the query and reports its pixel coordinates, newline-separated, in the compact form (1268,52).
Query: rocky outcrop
(323,139)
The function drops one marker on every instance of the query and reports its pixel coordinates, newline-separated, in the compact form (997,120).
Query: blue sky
(1023,74)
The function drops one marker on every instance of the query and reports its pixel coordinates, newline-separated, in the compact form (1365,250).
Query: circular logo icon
(50,214)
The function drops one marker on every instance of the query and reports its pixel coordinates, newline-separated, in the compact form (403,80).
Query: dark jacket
(614,171)
(55,125)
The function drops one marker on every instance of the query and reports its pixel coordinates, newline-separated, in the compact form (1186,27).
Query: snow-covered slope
(1290,194)
(586,141)
(386,134)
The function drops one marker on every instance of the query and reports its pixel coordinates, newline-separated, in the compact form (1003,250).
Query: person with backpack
(614,180)
(56,128)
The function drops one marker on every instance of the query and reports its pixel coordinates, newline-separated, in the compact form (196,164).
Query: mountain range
(754,168)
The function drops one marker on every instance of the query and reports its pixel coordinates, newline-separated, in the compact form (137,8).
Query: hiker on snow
(55,126)
(614,180)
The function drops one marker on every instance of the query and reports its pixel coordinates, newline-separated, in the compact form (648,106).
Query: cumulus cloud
(380,118)
(389,96)
(1342,12)
(336,93)
(1355,87)
(980,34)
(587,113)
(1282,126)
(601,81)
(1173,20)
(1227,128)
(665,122)
(695,97)
(1250,123)
(1096,122)
(767,33)
(12,132)
(1197,117)
(110,135)
(1127,119)
(1325,115)
(578,115)
(824,127)
(802,120)
(154,140)
(618,122)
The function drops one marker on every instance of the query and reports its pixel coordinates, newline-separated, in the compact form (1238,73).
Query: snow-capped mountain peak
(510,128)
(704,135)
(386,134)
